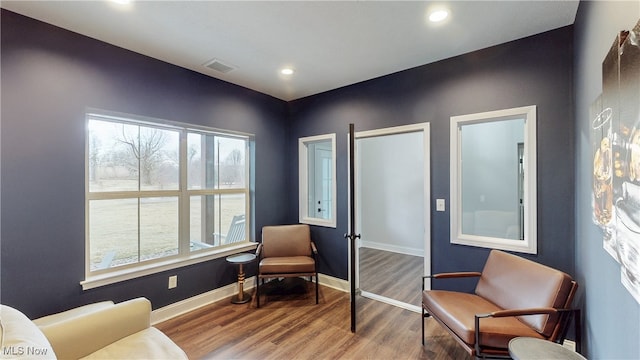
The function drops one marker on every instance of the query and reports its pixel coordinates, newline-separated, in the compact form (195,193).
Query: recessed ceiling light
(438,15)
(121,2)
(286,71)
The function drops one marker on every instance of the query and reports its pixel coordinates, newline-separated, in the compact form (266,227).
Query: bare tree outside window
(146,146)
(231,168)
(232,161)
(151,159)
(126,157)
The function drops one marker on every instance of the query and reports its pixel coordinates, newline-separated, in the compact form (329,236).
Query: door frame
(425,129)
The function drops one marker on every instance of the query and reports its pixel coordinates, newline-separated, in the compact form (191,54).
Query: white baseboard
(392,248)
(198,301)
(333,282)
(195,302)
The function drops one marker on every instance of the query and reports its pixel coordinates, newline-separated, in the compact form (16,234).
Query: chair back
(286,240)
(513,282)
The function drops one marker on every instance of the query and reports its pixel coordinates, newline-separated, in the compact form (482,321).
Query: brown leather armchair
(514,297)
(286,251)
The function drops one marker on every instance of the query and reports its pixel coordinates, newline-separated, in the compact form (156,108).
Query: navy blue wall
(49,77)
(532,71)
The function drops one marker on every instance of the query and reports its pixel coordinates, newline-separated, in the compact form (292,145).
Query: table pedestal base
(237,299)
(242,297)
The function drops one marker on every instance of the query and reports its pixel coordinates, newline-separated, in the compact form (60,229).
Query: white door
(323,177)
(392,211)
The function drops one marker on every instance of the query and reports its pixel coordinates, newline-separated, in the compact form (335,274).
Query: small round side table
(241,259)
(526,348)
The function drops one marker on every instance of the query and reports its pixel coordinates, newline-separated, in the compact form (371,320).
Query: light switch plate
(440,205)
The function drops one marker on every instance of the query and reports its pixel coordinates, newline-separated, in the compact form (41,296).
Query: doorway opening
(392,206)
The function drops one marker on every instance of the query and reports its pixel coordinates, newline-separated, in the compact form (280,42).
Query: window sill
(116,276)
(331,223)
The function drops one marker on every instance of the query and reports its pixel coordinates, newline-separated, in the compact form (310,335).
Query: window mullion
(184,200)
(247,190)
(139,231)
(219,228)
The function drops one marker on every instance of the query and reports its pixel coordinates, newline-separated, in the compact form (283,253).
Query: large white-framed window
(161,194)
(493,179)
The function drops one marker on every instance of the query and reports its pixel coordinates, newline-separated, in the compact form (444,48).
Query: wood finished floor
(292,326)
(392,275)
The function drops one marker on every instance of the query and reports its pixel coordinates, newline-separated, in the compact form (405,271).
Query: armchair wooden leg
(316,288)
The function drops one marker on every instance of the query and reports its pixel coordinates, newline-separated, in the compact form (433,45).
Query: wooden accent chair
(286,251)
(514,297)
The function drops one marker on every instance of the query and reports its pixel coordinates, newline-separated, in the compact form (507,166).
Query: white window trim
(119,275)
(530,243)
(94,279)
(303,182)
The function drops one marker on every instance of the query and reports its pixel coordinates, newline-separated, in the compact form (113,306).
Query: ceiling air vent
(219,66)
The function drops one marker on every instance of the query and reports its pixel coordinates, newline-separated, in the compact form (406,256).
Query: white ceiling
(330,44)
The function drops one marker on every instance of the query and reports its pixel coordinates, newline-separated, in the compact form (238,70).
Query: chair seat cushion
(457,310)
(289,264)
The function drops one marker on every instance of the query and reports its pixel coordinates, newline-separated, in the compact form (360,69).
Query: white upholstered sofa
(102,330)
